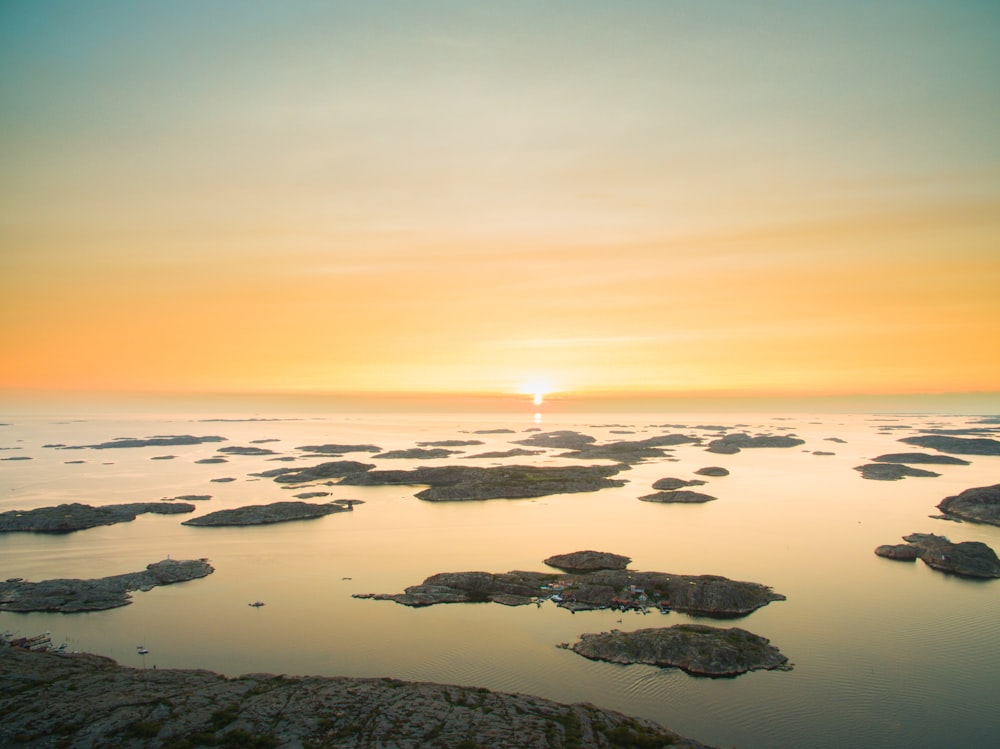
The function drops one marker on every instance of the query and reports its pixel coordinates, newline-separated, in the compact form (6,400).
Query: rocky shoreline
(86,700)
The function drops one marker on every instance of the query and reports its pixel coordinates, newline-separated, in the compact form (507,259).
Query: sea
(883,653)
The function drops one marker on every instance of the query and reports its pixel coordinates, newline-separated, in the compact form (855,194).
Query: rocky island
(87,701)
(966,558)
(330,470)
(276,512)
(706,595)
(955,445)
(678,496)
(980,505)
(169,440)
(588,561)
(76,516)
(462,483)
(98,594)
(734,443)
(921,458)
(891,472)
(630,451)
(696,649)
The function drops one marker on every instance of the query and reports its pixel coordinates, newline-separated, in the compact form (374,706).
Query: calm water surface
(885,654)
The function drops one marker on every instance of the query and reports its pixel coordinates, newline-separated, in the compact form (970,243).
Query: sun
(537,389)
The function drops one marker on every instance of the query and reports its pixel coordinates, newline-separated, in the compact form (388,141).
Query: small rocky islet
(98,594)
(892,472)
(601,588)
(88,700)
(696,649)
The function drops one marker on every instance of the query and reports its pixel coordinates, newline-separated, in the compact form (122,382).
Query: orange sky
(450,197)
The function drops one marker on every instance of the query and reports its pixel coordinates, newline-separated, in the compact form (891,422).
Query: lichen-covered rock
(694,648)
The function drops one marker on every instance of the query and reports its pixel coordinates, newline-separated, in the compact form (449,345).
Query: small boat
(256,604)
(141,650)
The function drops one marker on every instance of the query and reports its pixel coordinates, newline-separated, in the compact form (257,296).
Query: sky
(678,198)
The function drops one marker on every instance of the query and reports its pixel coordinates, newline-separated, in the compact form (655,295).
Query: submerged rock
(707,595)
(966,558)
(588,561)
(461,483)
(891,472)
(70,596)
(955,445)
(980,505)
(76,516)
(277,512)
(694,648)
(95,702)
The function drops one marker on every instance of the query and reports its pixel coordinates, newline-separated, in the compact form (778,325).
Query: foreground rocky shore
(72,701)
